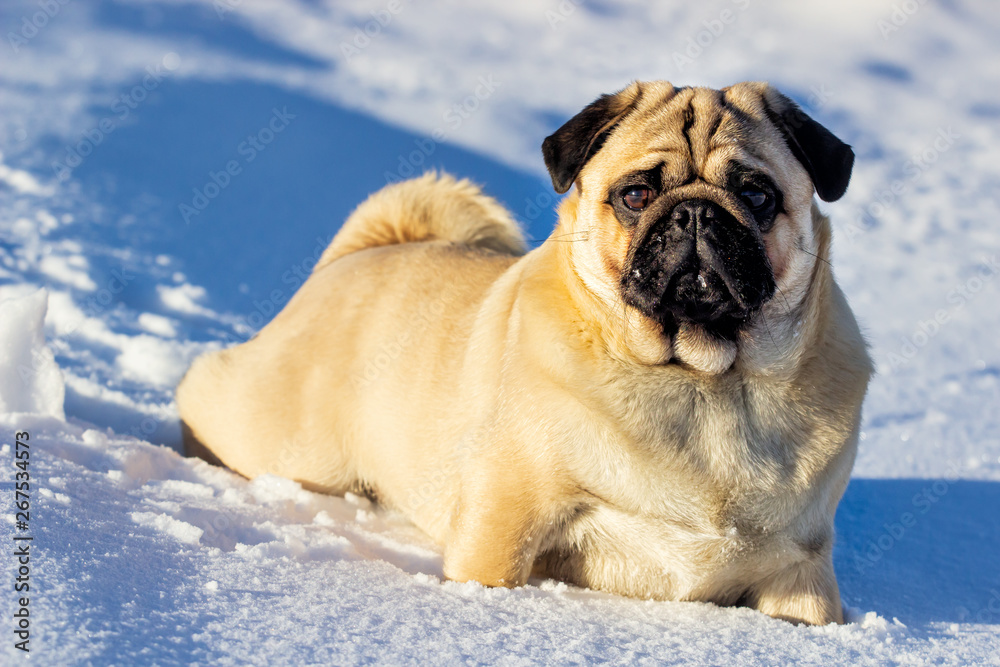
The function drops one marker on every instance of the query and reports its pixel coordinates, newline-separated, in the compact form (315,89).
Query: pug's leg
(804,593)
(494,531)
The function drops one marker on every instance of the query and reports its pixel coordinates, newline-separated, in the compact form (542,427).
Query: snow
(21,181)
(114,114)
(151,557)
(30,380)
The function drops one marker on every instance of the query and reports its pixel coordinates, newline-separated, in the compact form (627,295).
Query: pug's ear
(827,159)
(569,147)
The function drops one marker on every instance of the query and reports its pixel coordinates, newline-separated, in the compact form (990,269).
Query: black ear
(569,147)
(827,159)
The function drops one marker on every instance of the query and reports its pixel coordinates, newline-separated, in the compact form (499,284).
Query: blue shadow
(921,550)
(240,234)
(217,25)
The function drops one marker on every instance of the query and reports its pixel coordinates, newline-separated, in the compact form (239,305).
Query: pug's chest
(695,512)
(709,547)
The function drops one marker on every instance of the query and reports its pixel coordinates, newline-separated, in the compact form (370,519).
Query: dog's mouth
(697,263)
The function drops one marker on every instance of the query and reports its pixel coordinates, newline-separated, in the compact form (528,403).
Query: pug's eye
(637,198)
(755,199)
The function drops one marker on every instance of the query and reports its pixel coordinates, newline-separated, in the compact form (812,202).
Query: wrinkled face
(697,202)
(696,242)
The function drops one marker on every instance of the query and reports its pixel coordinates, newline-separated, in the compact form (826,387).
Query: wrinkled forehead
(693,133)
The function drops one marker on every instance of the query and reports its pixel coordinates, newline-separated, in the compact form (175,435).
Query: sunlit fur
(515,409)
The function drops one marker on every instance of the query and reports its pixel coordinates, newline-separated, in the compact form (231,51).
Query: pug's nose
(692,214)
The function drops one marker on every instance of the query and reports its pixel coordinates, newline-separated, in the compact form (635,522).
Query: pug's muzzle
(696,262)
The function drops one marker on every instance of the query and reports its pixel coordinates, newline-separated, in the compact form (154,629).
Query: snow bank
(30,380)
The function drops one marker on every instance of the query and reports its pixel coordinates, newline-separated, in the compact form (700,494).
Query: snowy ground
(271,120)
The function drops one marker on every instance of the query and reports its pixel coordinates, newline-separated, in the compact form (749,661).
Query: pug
(661,400)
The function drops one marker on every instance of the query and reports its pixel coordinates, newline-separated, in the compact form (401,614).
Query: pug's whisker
(613,313)
(625,322)
(817,257)
(585,237)
(763,318)
(788,307)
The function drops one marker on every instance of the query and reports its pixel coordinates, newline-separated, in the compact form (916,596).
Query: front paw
(804,593)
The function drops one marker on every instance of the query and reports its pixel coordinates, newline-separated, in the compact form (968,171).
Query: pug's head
(694,210)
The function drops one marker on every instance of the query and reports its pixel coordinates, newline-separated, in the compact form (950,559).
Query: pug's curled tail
(432,207)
